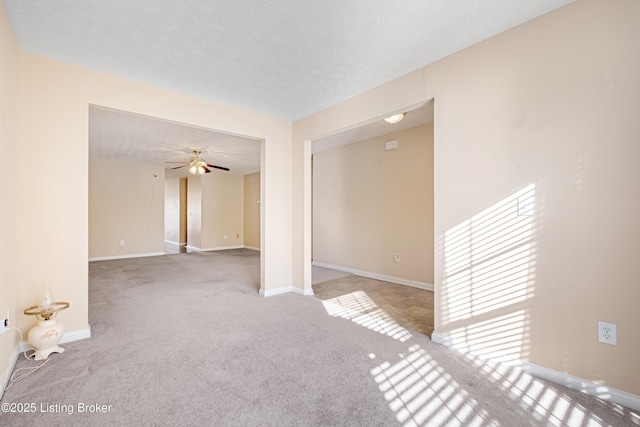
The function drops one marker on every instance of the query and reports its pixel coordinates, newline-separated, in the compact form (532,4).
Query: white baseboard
(23,346)
(67,337)
(277,291)
(6,374)
(221,248)
(125,256)
(217,248)
(77,335)
(171,242)
(576,383)
(413,283)
(285,290)
(252,248)
(191,248)
(305,292)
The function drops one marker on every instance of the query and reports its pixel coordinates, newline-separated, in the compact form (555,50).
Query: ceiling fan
(197,165)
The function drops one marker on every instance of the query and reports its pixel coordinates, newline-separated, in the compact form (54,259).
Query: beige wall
(172,208)
(9,56)
(252,210)
(194,211)
(182,237)
(552,103)
(546,112)
(369,204)
(222,210)
(175,210)
(214,205)
(126,202)
(54,211)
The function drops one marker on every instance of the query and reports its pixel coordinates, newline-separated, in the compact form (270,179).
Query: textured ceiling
(122,136)
(417,116)
(284,58)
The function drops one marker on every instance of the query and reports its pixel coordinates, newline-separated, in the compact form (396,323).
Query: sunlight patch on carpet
(360,309)
(546,403)
(420,392)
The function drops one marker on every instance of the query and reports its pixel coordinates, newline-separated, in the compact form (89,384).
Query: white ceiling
(418,115)
(123,136)
(284,58)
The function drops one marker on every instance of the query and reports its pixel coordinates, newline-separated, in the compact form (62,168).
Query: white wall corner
(562,378)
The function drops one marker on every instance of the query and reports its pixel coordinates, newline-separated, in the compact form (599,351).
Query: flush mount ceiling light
(396,118)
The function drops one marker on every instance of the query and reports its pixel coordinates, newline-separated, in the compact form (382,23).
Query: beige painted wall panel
(194,211)
(369,204)
(52,210)
(172,210)
(52,129)
(551,106)
(183,211)
(222,209)
(9,57)
(252,210)
(126,202)
(175,211)
(535,170)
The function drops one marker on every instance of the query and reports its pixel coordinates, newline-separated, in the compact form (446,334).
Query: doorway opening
(372,219)
(143,200)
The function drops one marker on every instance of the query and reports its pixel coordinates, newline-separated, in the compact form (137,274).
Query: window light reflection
(420,392)
(360,309)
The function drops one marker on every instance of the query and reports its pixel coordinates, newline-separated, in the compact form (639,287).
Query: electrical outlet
(396,257)
(607,333)
(4,323)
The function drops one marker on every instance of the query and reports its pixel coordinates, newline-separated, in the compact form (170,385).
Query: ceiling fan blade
(178,167)
(218,167)
(207,170)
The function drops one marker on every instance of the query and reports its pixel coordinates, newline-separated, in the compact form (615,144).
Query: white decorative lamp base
(44,337)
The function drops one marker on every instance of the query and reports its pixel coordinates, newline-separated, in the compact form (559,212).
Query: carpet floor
(186,340)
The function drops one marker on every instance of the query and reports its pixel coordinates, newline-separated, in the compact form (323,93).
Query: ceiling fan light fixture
(197,165)
(197,169)
(396,118)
